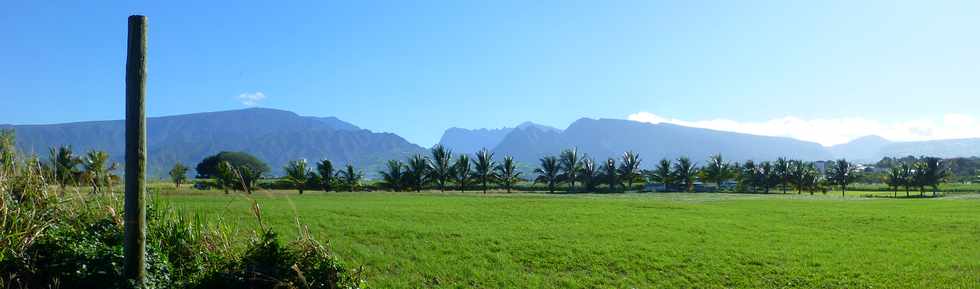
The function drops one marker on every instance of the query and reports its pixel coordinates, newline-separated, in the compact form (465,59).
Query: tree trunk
(134,248)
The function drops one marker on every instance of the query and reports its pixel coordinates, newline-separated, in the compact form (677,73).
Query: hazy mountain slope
(862,149)
(604,138)
(530,143)
(948,148)
(873,148)
(463,140)
(275,136)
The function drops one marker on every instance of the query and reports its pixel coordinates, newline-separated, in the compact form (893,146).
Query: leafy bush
(208,168)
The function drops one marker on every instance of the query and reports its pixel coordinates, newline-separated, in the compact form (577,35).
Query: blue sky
(806,69)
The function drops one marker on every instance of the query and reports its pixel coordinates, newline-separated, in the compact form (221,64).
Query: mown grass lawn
(409,240)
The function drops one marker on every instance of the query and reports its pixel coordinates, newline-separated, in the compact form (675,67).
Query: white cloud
(831,131)
(251,98)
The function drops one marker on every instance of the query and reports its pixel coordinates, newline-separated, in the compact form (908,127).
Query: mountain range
(275,136)
(278,136)
(604,138)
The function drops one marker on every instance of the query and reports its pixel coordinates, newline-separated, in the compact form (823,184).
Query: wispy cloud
(251,98)
(831,131)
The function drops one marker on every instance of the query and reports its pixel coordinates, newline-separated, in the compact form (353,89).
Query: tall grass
(51,238)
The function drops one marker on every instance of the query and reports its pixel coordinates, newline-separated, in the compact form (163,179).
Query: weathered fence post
(135,223)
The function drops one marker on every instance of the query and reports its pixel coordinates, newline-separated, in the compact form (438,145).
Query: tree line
(569,171)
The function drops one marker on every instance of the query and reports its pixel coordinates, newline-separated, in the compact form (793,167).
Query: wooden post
(135,238)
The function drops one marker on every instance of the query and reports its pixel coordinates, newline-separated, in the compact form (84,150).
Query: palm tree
(442,166)
(8,150)
(934,173)
(894,178)
(507,173)
(767,176)
(717,171)
(629,169)
(685,173)
(569,163)
(325,174)
(462,172)
(908,177)
(394,177)
(350,176)
(920,176)
(298,173)
(661,174)
(549,172)
(94,169)
(483,167)
(782,171)
(748,176)
(810,179)
(842,173)
(417,171)
(178,174)
(63,163)
(610,173)
(590,173)
(804,175)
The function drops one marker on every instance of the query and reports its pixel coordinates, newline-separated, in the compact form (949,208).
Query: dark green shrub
(208,168)
(268,264)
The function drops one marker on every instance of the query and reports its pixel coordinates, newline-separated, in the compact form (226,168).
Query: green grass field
(408,240)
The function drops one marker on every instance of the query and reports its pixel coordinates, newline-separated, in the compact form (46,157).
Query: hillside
(463,140)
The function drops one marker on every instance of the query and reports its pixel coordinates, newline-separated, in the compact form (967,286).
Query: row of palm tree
(927,172)
(323,177)
(571,168)
(93,169)
(441,169)
(419,170)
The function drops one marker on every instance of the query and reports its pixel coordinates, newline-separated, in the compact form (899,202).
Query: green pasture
(636,240)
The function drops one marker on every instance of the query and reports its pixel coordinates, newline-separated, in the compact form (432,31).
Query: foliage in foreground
(82,248)
(71,240)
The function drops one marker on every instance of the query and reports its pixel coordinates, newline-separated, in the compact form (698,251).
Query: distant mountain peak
(873,138)
(542,127)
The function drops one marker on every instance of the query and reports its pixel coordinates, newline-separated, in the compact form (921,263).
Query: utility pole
(135,211)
